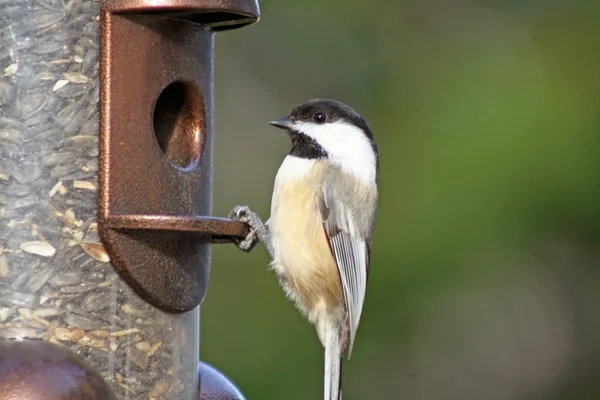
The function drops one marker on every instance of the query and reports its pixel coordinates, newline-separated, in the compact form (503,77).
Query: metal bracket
(156,82)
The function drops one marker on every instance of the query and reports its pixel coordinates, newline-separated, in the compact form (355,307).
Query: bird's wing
(348,231)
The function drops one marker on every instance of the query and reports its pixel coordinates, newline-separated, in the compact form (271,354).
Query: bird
(320,230)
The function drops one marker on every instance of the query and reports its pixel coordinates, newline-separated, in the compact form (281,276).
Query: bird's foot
(258,229)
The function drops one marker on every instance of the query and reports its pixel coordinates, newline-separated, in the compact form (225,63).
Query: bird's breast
(302,254)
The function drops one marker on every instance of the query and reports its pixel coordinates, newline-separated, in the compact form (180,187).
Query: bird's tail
(333,365)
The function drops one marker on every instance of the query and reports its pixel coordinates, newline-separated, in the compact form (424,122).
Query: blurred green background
(484,281)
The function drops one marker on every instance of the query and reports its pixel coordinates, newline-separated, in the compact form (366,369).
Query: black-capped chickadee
(320,230)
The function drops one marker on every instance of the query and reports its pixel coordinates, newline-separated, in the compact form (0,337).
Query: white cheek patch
(346,145)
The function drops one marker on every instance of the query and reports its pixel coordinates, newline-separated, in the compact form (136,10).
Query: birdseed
(56,281)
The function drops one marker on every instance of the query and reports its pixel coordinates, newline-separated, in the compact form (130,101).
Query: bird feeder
(105,196)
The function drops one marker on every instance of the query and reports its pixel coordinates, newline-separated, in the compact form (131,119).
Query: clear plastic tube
(56,281)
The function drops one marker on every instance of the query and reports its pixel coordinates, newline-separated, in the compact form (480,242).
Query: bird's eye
(320,117)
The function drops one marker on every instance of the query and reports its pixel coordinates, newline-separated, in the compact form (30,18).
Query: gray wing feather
(347,216)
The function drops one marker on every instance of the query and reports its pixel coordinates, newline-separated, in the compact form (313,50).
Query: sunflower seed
(65,279)
(59,84)
(75,77)
(96,251)
(4,269)
(40,248)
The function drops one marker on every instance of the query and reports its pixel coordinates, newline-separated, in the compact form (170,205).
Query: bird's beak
(283,123)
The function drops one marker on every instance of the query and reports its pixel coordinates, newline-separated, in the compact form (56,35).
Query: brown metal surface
(197,224)
(215,386)
(155,146)
(216,14)
(39,370)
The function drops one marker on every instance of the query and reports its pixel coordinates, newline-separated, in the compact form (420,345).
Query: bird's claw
(246,215)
